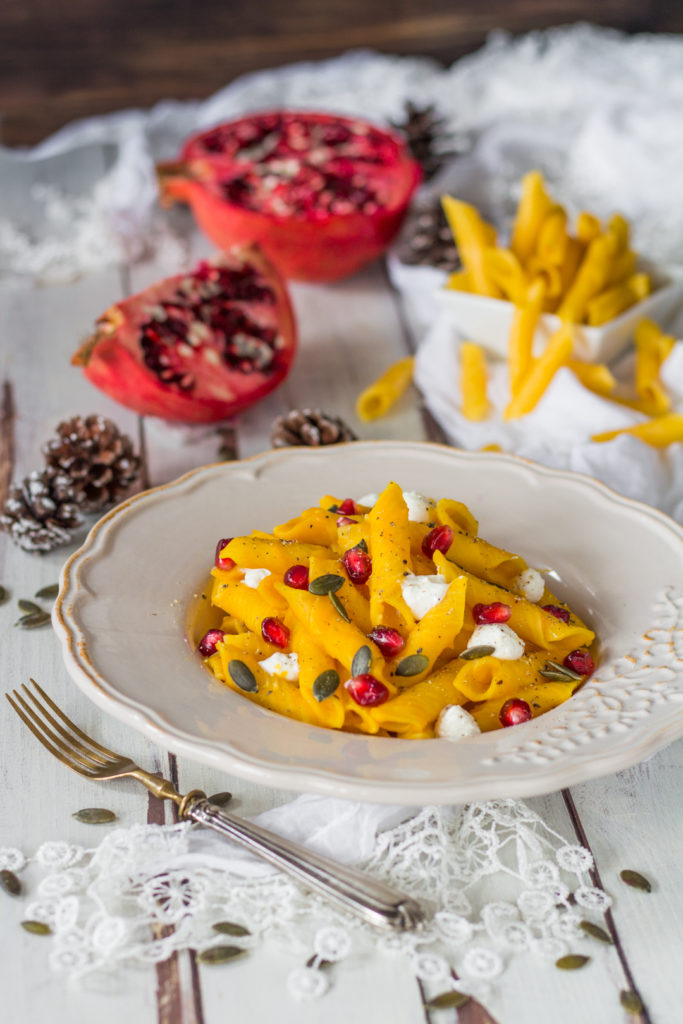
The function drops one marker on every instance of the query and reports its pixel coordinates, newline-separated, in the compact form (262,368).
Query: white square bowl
(488,321)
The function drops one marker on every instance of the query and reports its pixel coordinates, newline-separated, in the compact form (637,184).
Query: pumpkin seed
(36,927)
(242,676)
(220,799)
(555,677)
(447,1000)
(635,880)
(361,545)
(482,651)
(30,607)
(220,954)
(333,508)
(326,584)
(34,620)
(3,595)
(46,593)
(338,606)
(326,684)
(412,665)
(362,660)
(94,815)
(554,666)
(572,962)
(631,1001)
(230,928)
(596,931)
(9,882)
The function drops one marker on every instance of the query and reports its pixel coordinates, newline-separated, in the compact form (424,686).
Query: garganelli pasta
(389,615)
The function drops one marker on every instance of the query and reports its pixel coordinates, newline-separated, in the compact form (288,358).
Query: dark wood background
(62,59)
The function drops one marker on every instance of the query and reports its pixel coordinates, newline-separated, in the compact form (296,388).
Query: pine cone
(309,427)
(427,137)
(427,240)
(40,513)
(97,458)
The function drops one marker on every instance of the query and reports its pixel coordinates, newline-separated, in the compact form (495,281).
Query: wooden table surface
(349,332)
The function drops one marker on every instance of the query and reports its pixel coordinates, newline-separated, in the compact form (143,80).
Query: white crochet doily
(495,878)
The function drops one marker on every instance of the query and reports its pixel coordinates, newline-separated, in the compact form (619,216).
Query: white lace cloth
(496,879)
(583,102)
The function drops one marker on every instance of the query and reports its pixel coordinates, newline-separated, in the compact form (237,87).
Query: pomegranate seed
(345,521)
(297,577)
(559,613)
(438,539)
(275,632)
(514,712)
(347,507)
(223,563)
(389,641)
(358,565)
(367,691)
(496,612)
(207,644)
(581,662)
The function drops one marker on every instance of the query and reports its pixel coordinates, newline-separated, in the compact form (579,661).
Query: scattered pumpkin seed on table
(221,954)
(36,927)
(635,880)
(94,815)
(230,928)
(9,882)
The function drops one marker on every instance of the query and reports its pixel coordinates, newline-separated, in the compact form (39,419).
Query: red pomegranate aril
(275,632)
(297,577)
(580,661)
(347,507)
(207,644)
(495,612)
(438,539)
(345,521)
(367,691)
(514,712)
(358,565)
(389,641)
(557,611)
(223,563)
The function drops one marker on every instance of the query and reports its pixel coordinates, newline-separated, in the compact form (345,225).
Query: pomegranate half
(197,347)
(322,195)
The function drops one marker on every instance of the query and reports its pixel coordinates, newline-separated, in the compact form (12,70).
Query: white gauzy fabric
(596,109)
(494,878)
(558,431)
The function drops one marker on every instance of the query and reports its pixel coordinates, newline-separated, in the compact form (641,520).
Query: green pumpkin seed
(631,1002)
(36,927)
(326,684)
(338,606)
(447,1001)
(572,962)
(482,651)
(29,607)
(94,815)
(412,665)
(362,660)
(49,592)
(230,928)
(9,882)
(554,666)
(220,954)
(361,546)
(3,595)
(34,620)
(596,931)
(220,799)
(242,676)
(326,584)
(555,677)
(635,880)
(333,508)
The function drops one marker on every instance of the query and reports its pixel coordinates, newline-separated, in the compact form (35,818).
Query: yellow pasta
(378,399)
(590,279)
(557,353)
(551,245)
(460,281)
(521,340)
(534,206)
(594,376)
(652,347)
(504,269)
(473,380)
(351,642)
(610,303)
(658,432)
(473,237)
(588,227)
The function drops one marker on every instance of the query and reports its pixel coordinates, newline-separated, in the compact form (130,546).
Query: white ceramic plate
(126,597)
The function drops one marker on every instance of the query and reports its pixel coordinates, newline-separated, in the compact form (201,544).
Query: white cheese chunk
(506,644)
(252,577)
(280,664)
(420,509)
(454,723)
(422,593)
(368,500)
(531,584)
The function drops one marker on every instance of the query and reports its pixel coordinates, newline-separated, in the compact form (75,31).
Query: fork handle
(377,903)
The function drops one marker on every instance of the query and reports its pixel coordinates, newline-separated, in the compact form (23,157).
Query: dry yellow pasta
(378,399)
(588,227)
(557,353)
(610,303)
(374,629)
(534,206)
(504,269)
(653,346)
(522,333)
(473,381)
(594,376)
(473,237)
(658,432)
(590,279)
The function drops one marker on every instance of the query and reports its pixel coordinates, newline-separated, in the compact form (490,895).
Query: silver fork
(377,903)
